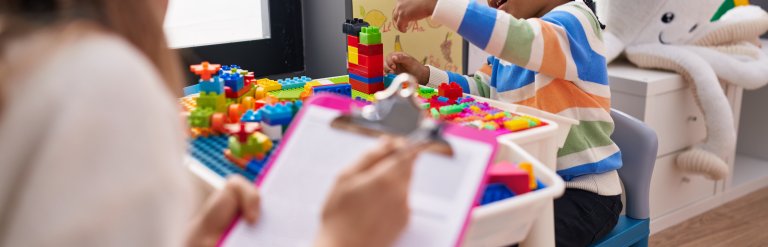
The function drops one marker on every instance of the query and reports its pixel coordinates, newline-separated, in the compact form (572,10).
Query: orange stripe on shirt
(560,95)
(553,62)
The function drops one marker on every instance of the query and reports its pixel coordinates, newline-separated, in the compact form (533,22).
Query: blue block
(210,152)
(214,85)
(193,89)
(443,99)
(340,89)
(366,79)
(297,106)
(256,165)
(251,117)
(539,185)
(495,192)
(279,114)
(388,78)
(296,82)
(234,81)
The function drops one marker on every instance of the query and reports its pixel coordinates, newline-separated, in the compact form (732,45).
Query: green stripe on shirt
(586,135)
(517,47)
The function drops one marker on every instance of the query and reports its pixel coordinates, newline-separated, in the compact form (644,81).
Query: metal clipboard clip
(397,112)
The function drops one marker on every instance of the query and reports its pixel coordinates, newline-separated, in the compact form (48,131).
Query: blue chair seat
(628,232)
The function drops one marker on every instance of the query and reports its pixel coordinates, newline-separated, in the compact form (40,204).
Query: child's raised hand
(368,204)
(407,11)
(398,62)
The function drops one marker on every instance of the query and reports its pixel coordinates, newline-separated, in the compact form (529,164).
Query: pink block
(511,176)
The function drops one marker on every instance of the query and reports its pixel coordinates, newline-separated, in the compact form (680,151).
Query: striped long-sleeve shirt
(554,63)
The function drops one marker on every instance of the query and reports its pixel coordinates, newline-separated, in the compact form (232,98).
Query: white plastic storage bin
(509,221)
(541,142)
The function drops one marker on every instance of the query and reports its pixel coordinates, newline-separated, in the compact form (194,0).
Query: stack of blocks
(506,180)
(365,56)
(211,97)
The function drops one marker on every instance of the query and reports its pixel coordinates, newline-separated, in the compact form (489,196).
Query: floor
(742,222)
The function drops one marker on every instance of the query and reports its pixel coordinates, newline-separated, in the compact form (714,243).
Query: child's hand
(398,62)
(238,196)
(368,205)
(407,11)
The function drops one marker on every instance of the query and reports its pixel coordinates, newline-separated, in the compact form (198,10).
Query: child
(547,54)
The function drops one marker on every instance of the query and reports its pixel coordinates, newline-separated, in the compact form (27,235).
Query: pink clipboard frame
(344,105)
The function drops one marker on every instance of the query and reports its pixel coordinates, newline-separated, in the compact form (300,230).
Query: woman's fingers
(246,195)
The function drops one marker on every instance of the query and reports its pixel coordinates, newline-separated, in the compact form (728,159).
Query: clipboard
(294,185)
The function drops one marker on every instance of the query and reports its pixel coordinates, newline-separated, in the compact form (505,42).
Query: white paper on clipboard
(293,192)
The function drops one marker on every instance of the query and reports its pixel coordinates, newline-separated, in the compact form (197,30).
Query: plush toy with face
(695,39)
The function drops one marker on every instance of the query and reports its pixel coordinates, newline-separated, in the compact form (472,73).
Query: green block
(450,109)
(365,96)
(287,94)
(435,113)
(200,117)
(425,106)
(339,79)
(370,36)
(234,147)
(214,101)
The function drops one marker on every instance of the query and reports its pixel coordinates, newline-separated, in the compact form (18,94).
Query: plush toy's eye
(667,17)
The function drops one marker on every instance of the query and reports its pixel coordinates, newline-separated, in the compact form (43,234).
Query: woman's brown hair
(140,22)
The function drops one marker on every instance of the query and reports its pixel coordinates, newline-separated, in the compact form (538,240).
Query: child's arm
(563,44)
(399,62)
(476,84)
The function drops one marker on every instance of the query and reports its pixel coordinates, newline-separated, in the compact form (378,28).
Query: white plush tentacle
(744,71)
(721,133)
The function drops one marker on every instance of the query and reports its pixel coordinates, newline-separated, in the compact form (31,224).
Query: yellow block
(528,167)
(352,57)
(516,124)
(740,2)
(353,49)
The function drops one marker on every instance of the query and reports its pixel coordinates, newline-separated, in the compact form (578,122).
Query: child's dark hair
(591,5)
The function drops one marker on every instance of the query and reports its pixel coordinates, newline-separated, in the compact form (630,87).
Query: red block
(353,40)
(365,87)
(232,95)
(370,50)
(374,61)
(451,91)
(514,178)
(365,71)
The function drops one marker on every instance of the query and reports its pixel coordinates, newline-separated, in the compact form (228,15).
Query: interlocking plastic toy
(370,36)
(214,101)
(205,70)
(296,82)
(278,114)
(213,85)
(509,175)
(494,193)
(451,91)
(200,117)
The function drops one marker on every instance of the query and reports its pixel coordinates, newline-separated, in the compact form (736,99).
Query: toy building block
(514,178)
(362,96)
(517,124)
(234,81)
(274,132)
(424,92)
(376,49)
(296,82)
(259,93)
(388,78)
(297,106)
(205,70)
(251,116)
(340,89)
(494,193)
(370,36)
(269,85)
(451,90)
(284,95)
(528,167)
(278,114)
(213,85)
(372,61)
(353,41)
(214,101)
(339,79)
(450,109)
(365,71)
(200,117)
(231,94)
(353,57)
(354,26)
(208,150)
(364,79)
(367,88)
(255,166)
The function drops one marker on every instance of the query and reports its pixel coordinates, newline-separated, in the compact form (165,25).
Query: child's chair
(638,144)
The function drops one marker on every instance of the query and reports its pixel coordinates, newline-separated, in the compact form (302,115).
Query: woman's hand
(407,11)
(239,196)
(398,62)
(368,205)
